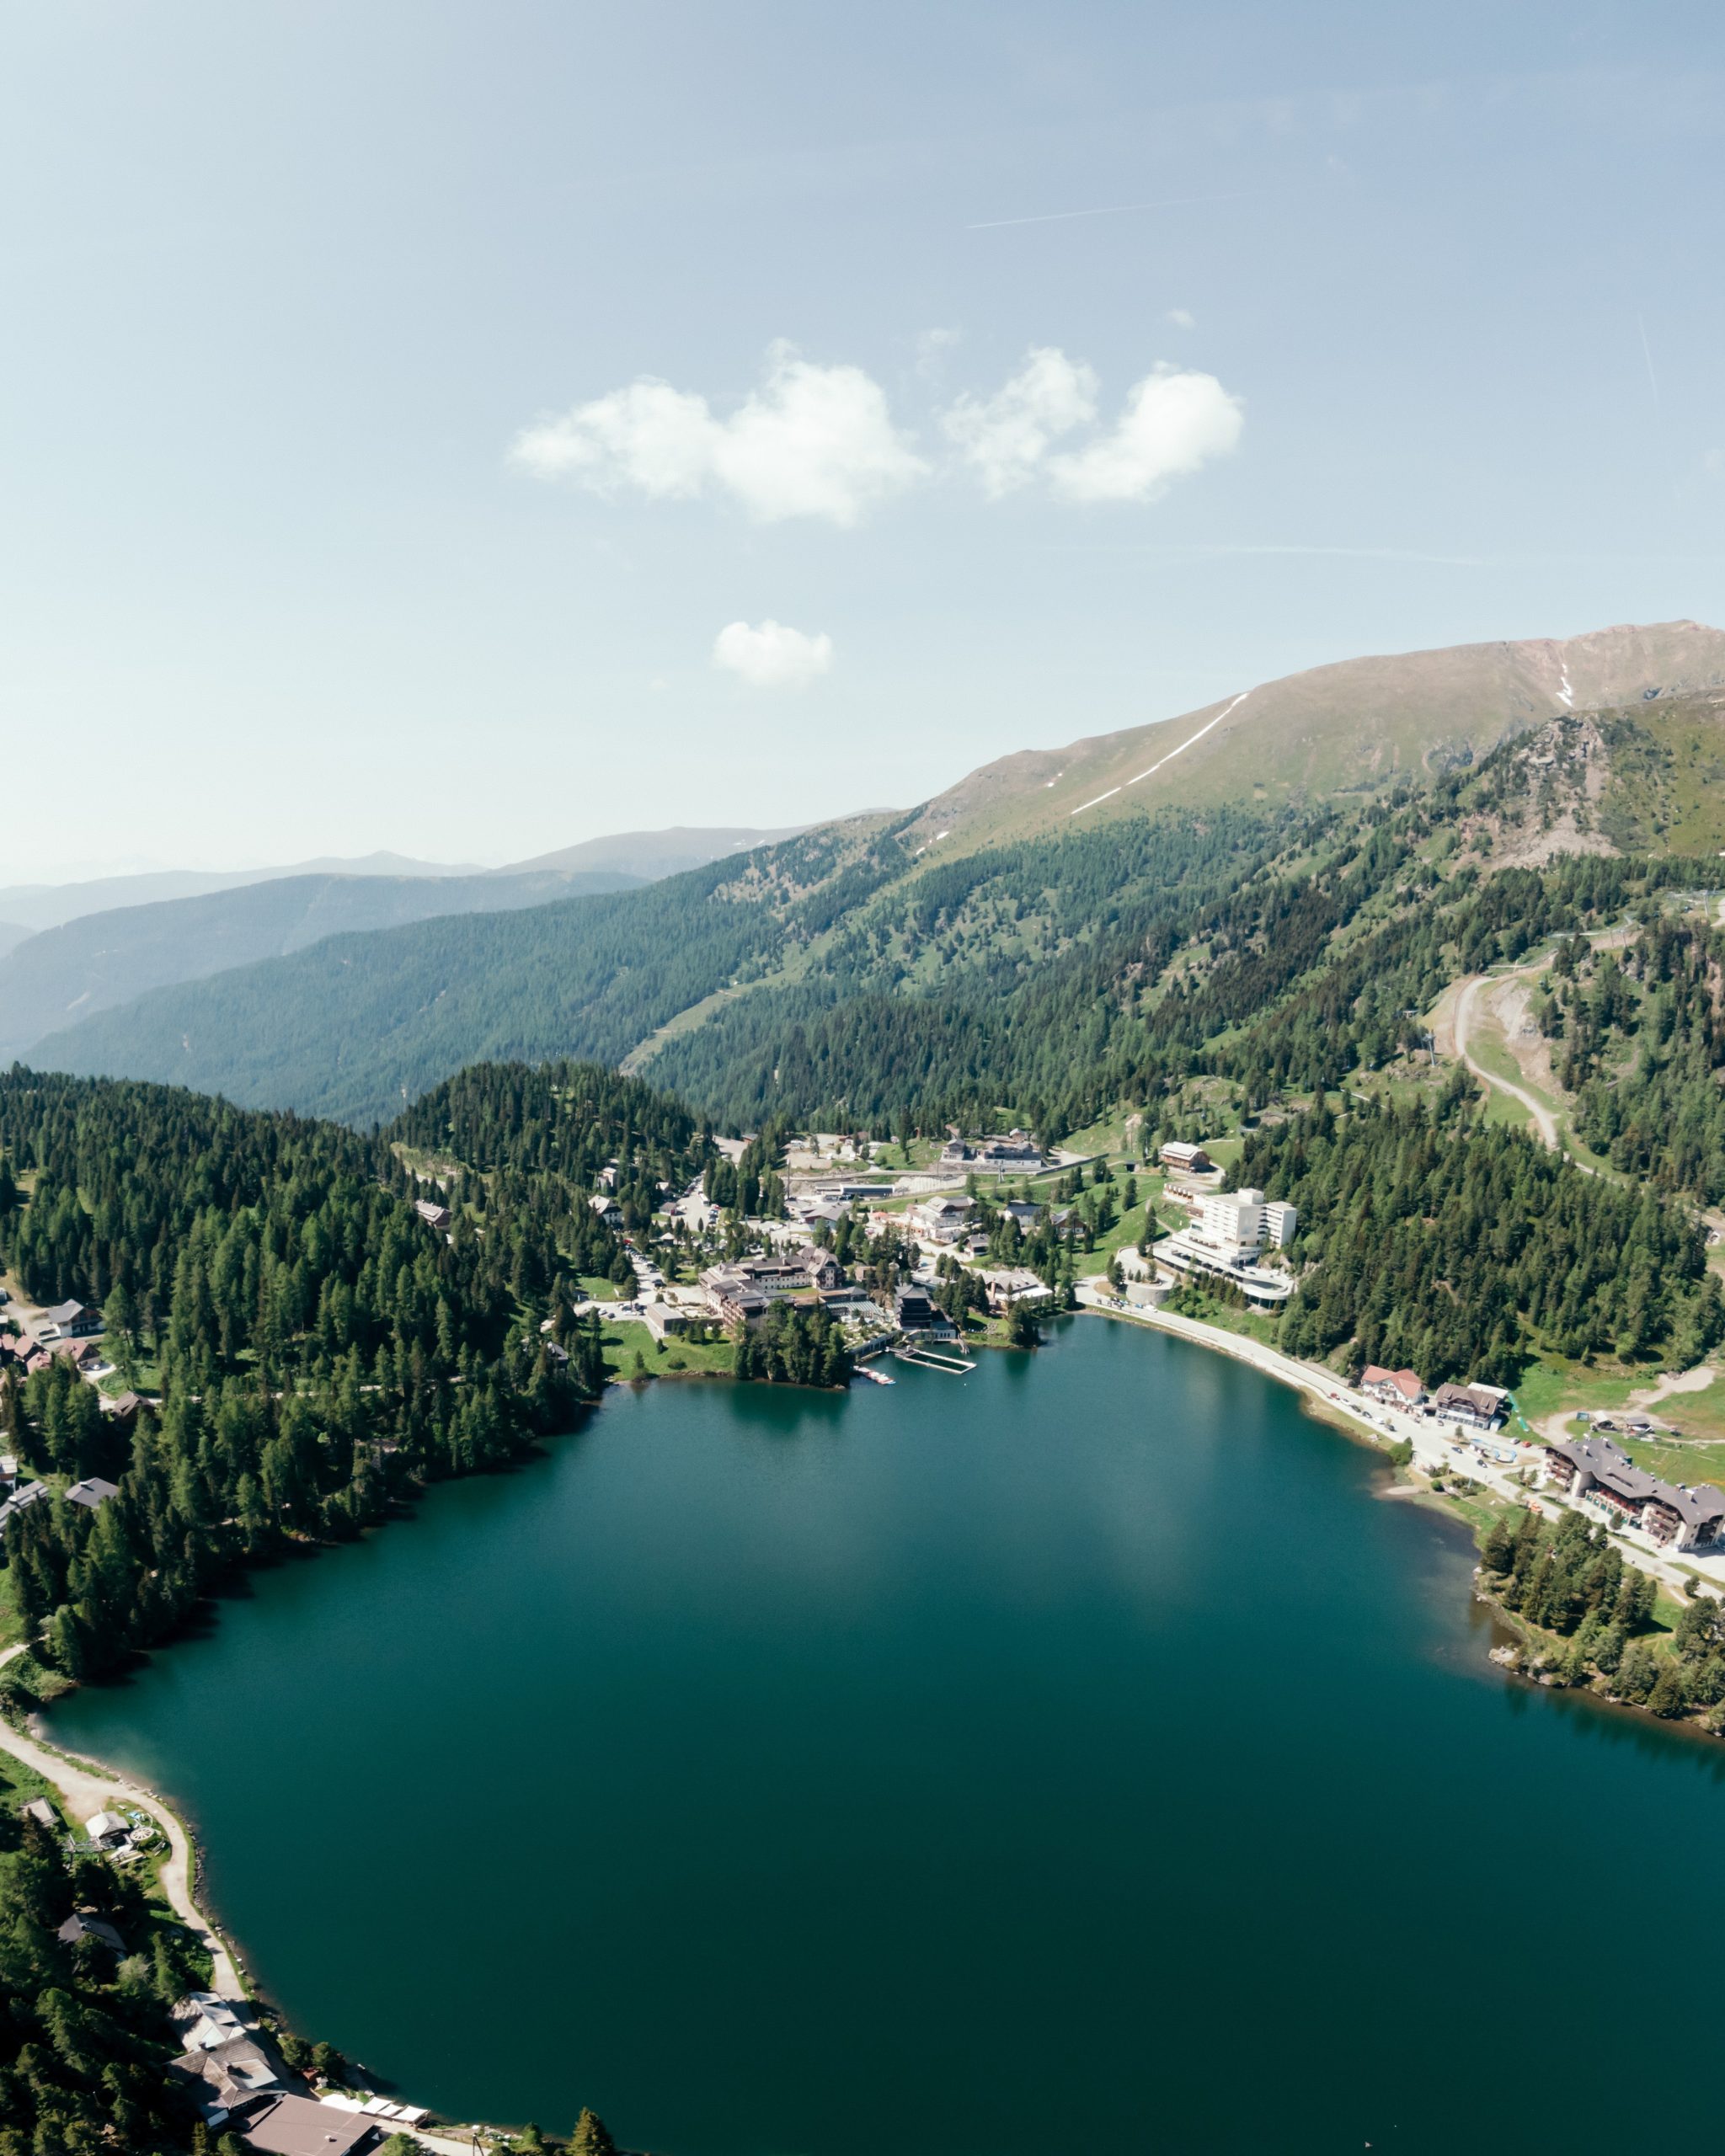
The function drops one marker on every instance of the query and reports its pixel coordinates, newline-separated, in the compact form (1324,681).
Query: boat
(874,1377)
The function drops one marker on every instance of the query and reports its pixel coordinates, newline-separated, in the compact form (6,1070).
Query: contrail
(1169,758)
(1114,210)
(1647,351)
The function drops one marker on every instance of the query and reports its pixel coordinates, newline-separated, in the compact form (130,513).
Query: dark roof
(297,2126)
(1466,1396)
(92,1491)
(83,1927)
(1615,1472)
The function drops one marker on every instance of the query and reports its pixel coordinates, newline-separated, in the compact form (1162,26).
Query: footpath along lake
(1073,1755)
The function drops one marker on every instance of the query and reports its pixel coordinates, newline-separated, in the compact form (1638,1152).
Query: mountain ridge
(884,916)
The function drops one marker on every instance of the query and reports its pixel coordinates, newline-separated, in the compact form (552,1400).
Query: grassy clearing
(1693,1451)
(627,1338)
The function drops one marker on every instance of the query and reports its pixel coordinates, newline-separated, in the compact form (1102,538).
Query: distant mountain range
(35,906)
(98,944)
(69,973)
(872,943)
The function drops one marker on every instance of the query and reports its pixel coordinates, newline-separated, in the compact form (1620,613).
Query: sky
(465,430)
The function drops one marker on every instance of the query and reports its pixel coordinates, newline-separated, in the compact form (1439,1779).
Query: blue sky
(334,515)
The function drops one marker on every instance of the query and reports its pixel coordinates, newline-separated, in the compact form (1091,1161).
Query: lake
(1077,1754)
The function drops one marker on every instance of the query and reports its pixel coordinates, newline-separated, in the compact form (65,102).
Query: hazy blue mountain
(37,906)
(652,854)
(68,973)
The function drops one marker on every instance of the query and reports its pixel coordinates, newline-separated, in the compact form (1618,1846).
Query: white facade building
(1240,1221)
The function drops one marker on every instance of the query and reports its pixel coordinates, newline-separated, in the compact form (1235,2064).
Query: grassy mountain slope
(1355,727)
(101,960)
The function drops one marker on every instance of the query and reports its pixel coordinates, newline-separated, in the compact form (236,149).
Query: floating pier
(929,1360)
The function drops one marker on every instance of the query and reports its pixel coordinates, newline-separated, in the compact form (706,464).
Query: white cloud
(932,346)
(812,441)
(1182,317)
(1005,436)
(1172,423)
(773,656)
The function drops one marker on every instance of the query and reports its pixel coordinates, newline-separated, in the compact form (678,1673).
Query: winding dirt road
(1466,1013)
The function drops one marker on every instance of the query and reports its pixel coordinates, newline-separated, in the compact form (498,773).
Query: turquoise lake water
(1079,1754)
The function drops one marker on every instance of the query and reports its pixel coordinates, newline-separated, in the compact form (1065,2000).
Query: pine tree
(590,2137)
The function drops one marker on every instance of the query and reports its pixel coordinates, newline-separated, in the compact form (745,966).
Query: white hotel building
(1229,1233)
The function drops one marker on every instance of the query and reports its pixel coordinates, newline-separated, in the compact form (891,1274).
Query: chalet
(1477,1407)
(107,1829)
(606,1207)
(1007,1284)
(299,2126)
(1186,1160)
(42,1812)
(732,1297)
(433,1214)
(945,1218)
(225,2077)
(84,1356)
(22,1498)
(1017,1153)
(915,1310)
(79,1926)
(1593,1473)
(91,1492)
(70,1321)
(1395,1388)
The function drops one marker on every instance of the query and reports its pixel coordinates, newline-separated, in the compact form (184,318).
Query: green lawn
(624,1338)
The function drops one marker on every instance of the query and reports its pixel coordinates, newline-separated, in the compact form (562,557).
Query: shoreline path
(88,1788)
(1433,1445)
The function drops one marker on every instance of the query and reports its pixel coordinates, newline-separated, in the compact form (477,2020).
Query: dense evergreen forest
(1433,1239)
(84,2030)
(1311,964)
(1567,1579)
(316,1345)
(1639,1036)
(595,977)
(358,1025)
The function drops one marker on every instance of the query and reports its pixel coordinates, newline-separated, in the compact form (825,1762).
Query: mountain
(100,959)
(650,855)
(36,906)
(10,936)
(1358,726)
(991,938)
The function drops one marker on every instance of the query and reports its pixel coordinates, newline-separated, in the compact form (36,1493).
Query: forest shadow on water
(1072,1750)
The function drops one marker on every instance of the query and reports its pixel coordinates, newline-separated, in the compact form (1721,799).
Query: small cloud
(812,441)
(1182,317)
(773,656)
(1005,436)
(932,346)
(658,682)
(1173,422)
